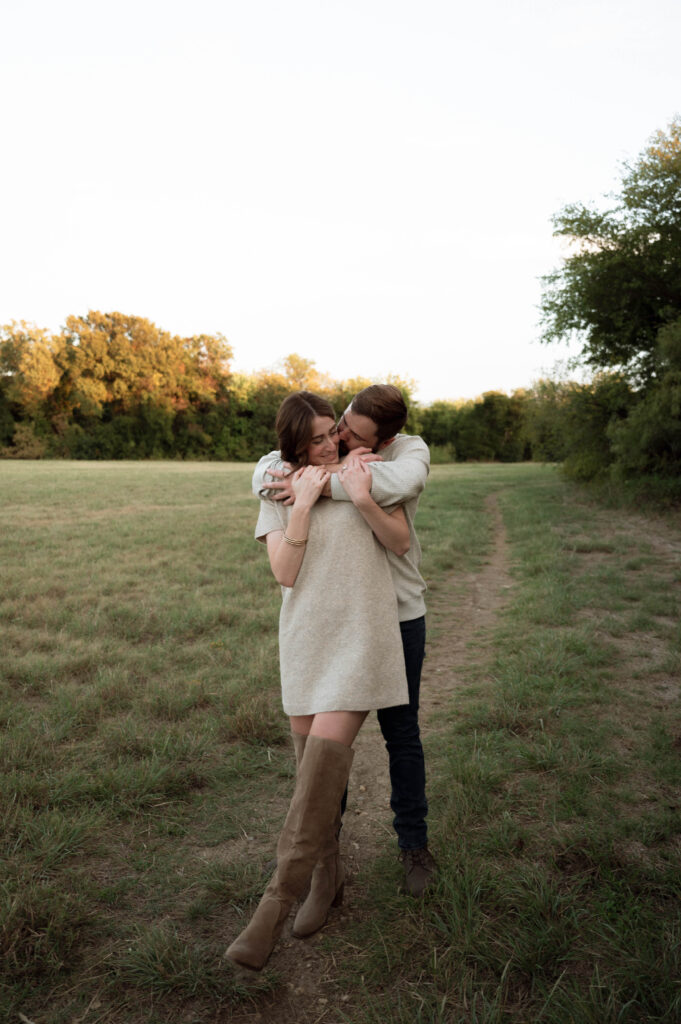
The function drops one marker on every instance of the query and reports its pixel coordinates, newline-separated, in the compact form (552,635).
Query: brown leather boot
(308,831)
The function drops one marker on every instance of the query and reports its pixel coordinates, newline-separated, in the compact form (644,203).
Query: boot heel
(338,898)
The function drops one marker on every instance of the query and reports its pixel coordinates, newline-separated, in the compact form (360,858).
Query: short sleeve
(271,518)
(260,479)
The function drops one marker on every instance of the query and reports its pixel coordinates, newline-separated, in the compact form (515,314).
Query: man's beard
(343,448)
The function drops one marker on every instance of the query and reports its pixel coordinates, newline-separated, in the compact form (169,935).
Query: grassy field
(141,723)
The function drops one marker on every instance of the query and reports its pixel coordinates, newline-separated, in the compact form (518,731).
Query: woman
(340,656)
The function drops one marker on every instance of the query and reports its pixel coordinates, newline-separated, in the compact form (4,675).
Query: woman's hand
(307,484)
(355,476)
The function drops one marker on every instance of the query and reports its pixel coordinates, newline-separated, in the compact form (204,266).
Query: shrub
(25,444)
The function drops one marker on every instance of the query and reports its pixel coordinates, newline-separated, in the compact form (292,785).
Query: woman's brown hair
(294,424)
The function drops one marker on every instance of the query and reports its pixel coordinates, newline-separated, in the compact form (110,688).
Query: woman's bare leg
(341,726)
(301,724)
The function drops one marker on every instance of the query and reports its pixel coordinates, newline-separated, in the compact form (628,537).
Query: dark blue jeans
(400,728)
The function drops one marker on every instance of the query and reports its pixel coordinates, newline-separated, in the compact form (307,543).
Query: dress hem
(351,707)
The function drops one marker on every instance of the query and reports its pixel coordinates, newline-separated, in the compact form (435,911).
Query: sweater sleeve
(401,477)
(272,460)
(269,519)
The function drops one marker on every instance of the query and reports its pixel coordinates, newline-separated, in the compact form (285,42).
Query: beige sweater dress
(340,647)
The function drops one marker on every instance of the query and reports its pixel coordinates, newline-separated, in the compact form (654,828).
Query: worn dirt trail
(460,611)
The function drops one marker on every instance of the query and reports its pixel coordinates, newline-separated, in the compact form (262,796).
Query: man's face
(357,431)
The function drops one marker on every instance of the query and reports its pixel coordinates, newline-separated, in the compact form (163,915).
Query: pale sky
(368,184)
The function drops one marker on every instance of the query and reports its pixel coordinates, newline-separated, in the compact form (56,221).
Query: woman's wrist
(303,505)
(298,523)
(294,543)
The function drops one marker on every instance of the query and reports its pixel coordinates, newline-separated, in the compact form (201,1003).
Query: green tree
(544,420)
(622,283)
(648,441)
(620,292)
(344,391)
(588,414)
(439,423)
(498,420)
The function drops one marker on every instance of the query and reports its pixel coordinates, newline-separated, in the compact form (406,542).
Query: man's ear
(384,444)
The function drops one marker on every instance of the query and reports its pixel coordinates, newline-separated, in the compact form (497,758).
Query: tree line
(114,386)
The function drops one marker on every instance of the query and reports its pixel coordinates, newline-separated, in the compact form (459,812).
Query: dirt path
(461,610)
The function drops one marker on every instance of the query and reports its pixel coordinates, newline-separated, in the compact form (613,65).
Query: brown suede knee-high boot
(328,877)
(326,887)
(299,740)
(308,833)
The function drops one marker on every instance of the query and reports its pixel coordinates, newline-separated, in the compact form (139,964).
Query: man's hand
(283,486)
(361,455)
(308,484)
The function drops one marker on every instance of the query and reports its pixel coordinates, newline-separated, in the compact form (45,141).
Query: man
(399,463)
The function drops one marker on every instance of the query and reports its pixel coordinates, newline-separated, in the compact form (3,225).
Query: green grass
(142,733)
(555,793)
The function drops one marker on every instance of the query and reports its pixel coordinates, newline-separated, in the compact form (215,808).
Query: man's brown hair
(384,404)
(294,424)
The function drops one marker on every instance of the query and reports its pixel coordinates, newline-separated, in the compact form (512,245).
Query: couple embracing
(339,530)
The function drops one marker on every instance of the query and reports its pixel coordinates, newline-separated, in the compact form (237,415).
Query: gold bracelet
(295,543)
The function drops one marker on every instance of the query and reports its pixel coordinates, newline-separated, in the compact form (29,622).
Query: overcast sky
(367,183)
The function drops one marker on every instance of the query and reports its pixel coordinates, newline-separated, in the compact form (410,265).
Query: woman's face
(323,447)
